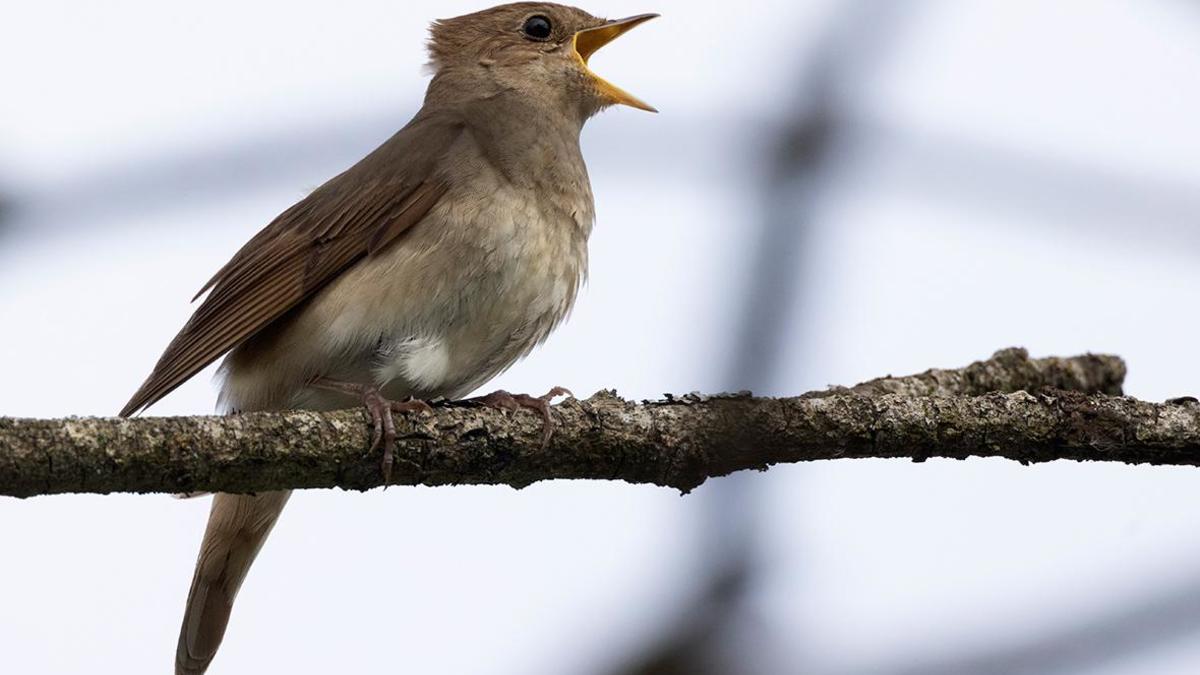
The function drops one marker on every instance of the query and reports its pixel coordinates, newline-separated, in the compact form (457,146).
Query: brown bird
(422,271)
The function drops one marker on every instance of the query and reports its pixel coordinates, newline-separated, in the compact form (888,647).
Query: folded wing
(354,215)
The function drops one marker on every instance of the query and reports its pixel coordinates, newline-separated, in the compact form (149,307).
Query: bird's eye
(537,28)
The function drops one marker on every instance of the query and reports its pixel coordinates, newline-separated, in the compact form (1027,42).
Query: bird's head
(532,49)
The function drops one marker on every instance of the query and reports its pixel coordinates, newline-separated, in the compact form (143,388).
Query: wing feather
(355,215)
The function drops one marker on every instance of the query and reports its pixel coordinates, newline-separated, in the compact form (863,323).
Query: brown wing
(352,216)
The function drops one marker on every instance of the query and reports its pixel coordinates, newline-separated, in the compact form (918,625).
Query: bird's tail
(237,527)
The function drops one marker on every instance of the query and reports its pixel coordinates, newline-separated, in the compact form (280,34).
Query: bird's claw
(389,448)
(503,400)
(382,424)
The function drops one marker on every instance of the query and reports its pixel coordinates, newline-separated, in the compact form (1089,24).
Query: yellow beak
(589,41)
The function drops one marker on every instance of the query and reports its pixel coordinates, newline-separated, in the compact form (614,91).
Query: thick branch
(678,442)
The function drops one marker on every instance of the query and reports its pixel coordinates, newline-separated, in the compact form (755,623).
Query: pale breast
(478,283)
(513,282)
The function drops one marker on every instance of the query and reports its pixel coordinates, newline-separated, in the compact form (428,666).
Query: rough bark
(1008,406)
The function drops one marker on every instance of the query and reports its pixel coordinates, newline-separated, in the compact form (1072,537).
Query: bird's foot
(502,400)
(381,409)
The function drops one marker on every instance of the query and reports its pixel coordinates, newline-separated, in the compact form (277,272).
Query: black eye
(537,28)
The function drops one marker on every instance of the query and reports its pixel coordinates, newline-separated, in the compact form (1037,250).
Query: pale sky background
(925,250)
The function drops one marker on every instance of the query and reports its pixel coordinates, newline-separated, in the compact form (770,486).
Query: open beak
(589,41)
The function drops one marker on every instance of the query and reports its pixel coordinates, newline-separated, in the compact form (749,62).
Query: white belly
(422,361)
(459,298)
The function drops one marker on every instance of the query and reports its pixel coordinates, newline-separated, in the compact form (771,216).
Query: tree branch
(1074,412)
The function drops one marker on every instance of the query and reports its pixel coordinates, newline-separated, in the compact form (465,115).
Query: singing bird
(422,271)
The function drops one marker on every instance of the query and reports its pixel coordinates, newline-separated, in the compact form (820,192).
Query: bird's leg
(502,400)
(381,409)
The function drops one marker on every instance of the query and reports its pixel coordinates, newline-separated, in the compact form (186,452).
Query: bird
(420,272)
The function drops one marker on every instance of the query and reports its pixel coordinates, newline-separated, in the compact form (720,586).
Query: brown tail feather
(237,527)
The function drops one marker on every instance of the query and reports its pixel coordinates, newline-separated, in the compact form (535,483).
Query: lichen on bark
(1029,410)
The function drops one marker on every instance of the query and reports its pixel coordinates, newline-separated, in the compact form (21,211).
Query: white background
(913,261)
